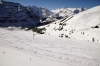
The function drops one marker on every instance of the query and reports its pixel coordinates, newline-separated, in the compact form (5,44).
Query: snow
(67,11)
(80,26)
(12,57)
(88,18)
(54,48)
(18,48)
(15,14)
(83,22)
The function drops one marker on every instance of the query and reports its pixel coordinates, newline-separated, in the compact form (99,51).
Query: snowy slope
(83,26)
(12,57)
(86,23)
(88,18)
(48,50)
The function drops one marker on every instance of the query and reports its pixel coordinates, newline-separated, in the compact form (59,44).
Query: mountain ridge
(15,14)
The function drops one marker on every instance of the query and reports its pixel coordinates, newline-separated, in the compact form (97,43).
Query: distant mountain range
(15,14)
(75,23)
(68,11)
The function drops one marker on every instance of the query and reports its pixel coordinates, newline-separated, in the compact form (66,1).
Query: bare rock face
(14,14)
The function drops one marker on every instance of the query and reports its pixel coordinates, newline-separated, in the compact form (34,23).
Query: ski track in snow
(72,52)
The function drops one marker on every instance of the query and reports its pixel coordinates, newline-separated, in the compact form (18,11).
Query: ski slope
(81,26)
(86,19)
(20,48)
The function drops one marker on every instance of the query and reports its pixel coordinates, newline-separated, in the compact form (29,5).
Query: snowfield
(19,48)
(83,26)
(58,45)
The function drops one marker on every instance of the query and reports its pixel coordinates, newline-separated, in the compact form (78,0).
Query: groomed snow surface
(20,48)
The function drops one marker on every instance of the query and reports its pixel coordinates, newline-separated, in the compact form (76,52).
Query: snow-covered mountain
(28,48)
(45,12)
(83,26)
(14,14)
(88,18)
(68,11)
(71,25)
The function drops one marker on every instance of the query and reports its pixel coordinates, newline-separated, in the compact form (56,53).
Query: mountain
(86,25)
(45,12)
(14,14)
(28,48)
(82,26)
(68,11)
(42,12)
(57,14)
(86,19)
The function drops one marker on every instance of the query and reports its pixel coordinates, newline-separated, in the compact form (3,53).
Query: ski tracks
(48,48)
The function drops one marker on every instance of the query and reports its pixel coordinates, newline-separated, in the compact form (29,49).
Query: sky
(54,4)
